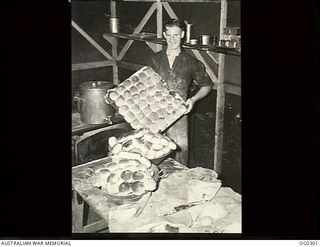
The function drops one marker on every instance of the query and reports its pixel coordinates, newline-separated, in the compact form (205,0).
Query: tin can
(215,40)
(114,24)
(188,32)
(222,43)
(193,41)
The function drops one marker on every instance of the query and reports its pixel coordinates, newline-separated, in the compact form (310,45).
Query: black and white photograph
(156,116)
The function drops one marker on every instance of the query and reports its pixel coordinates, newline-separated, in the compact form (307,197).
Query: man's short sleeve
(201,76)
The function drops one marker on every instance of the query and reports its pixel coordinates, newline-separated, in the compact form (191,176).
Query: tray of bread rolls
(126,177)
(145,101)
(151,145)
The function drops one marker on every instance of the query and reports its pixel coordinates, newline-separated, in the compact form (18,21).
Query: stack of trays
(145,101)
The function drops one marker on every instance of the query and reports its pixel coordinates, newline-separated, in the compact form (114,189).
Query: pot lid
(96,85)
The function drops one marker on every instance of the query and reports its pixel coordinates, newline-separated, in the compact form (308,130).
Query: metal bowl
(120,200)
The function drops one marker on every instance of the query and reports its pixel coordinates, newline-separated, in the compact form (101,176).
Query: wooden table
(83,191)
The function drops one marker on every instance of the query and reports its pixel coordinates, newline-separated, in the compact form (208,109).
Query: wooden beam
(154,47)
(91,41)
(130,66)
(113,8)
(211,55)
(159,23)
(169,10)
(77,212)
(210,72)
(138,29)
(115,67)
(95,227)
(220,105)
(92,65)
(174,1)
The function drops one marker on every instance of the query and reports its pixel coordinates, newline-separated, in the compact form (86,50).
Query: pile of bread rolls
(127,174)
(144,142)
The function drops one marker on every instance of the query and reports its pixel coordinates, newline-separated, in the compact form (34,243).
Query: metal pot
(91,103)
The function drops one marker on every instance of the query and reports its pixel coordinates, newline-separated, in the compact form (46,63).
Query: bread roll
(120,89)
(156,146)
(141,86)
(154,128)
(113,95)
(150,184)
(150,99)
(159,86)
(155,79)
(169,98)
(116,149)
(148,81)
(146,122)
(134,90)
(112,141)
(164,142)
(143,94)
(154,106)
(120,101)
(158,96)
(134,79)
(163,103)
(135,124)
(123,110)
(142,104)
(127,95)
(129,117)
(127,84)
(136,98)
(151,91)
(153,117)
(142,75)
(170,108)
(161,113)
(112,188)
(147,111)
(134,109)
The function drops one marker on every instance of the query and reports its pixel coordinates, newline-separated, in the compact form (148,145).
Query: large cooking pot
(91,103)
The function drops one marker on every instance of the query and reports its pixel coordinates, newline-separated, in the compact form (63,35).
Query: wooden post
(113,12)
(159,23)
(113,9)
(218,147)
(77,213)
(92,41)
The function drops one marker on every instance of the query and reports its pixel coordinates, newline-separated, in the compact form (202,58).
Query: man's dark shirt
(184,70)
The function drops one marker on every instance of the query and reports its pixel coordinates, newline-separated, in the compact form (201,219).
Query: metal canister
(188,32)
(205,39)
(91,102)
(193,41)
(114,24)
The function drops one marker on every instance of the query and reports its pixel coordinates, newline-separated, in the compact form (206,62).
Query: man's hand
(189,103)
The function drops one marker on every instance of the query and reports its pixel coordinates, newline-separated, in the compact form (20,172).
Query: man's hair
(175,23)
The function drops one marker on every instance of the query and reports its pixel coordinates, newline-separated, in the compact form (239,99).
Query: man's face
(173,36)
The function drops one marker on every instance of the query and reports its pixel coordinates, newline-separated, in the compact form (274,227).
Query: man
(179,70)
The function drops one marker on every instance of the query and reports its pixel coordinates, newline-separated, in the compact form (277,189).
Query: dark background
(280,177)
(90,16)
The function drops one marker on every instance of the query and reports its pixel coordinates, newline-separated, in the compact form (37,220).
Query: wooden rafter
(91,41)
(92,65)
(138,29)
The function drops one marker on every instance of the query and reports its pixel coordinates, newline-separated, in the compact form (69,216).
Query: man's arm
(203,92)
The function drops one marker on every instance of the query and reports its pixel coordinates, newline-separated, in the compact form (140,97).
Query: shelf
(151,37)
(173,1)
